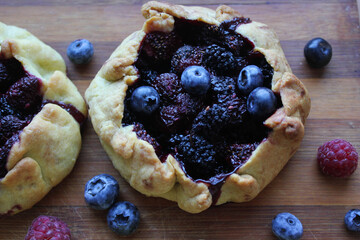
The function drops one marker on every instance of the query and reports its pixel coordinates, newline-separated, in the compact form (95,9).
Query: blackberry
(213,121)
(10,71)
(167,85)
(5,108)
(148,76)
(184,57)
(210,121)
(219,59)
(4,78)
(222,87)
(4,152)
(198,156)
(8,126)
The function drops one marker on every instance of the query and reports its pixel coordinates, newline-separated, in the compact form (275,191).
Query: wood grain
(320,202)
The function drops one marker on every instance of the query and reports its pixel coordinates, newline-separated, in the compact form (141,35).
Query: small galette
(41,112)
(199,107)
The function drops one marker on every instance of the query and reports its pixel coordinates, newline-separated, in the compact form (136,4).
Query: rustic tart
(41,112)
(196,149)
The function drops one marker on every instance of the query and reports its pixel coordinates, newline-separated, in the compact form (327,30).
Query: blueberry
(145,100)
(287,227)
(261,103)
(80,51)
(195,80)
(250,78)
(352,220)
(123,218)
(101,191)
(318,52)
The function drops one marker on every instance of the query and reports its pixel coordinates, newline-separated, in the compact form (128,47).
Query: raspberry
(160,46)
(25,94)
(48,227)
(239,153)
(167,85)
(337,158)
(177,116)
(186,56)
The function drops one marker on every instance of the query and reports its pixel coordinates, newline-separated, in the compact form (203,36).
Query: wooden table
(320,202)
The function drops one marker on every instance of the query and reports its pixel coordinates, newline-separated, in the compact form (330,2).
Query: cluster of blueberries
(101,193)
(196,80)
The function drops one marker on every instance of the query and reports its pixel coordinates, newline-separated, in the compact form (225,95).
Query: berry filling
(20,100)
(202,118)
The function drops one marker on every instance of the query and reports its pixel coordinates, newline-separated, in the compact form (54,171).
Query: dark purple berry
(80,51)
(8,126)
(318,52)
(261,103)
(145,100)
(160,46)
(142,134)
(219,59)
(250,78)
(101,191)
(198,156)
(238,154)
(186,56)
(178,116)
(167,85)
(123,218)
(195,80)
(25,94)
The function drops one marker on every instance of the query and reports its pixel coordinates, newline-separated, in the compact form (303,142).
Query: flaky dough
(50,144)
(136,160)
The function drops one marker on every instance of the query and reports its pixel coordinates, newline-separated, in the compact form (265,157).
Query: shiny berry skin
(123,218)
(261,103)
(101,191)
(145,100)
(250,78)
(337,158)
(48,227)
(196,80)
(352,220)
(287,227)
(80,51)
(318,52)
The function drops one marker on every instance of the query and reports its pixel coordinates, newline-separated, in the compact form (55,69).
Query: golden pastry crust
(50,143)
(136,160)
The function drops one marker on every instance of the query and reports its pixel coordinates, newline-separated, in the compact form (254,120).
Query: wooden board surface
(319,202)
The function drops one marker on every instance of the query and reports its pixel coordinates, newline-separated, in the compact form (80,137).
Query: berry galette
(199,107)
(40,115)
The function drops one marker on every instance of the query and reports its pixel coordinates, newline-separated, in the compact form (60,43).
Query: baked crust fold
(49,145)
